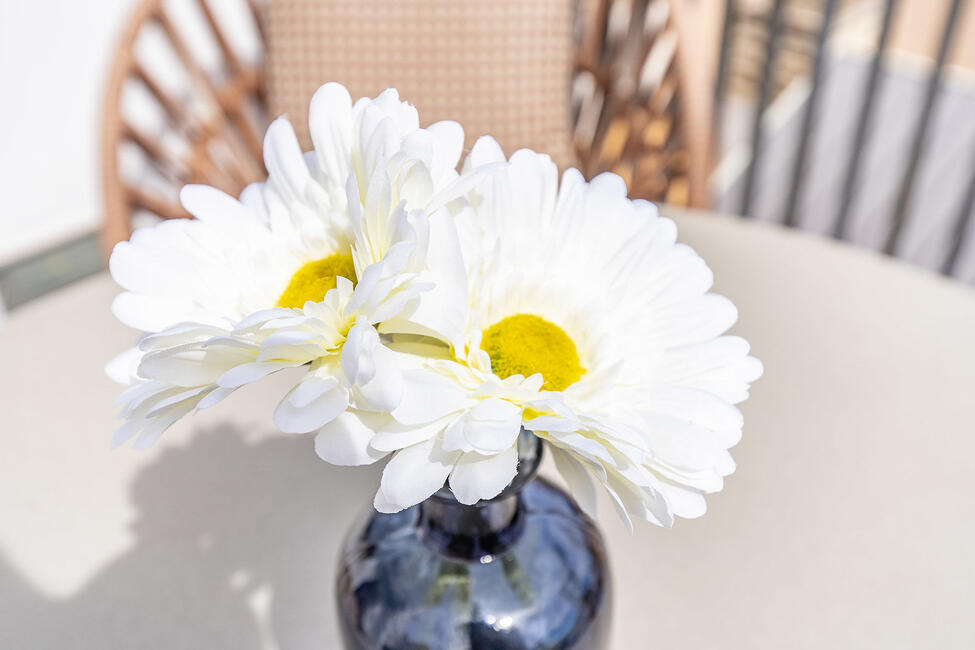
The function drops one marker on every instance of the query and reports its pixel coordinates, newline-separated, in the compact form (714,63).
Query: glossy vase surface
(526,569)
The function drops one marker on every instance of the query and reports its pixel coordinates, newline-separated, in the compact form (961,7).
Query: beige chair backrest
(501,67)
(611,92)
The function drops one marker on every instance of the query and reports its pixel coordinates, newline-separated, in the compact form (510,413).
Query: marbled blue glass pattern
(524,570)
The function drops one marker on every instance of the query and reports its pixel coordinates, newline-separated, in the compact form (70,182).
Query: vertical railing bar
(920,133)
(724,62)
(863,122)
(765,92)
(960,231)
(807,121)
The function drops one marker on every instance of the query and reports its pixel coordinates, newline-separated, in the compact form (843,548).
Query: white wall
(54,59)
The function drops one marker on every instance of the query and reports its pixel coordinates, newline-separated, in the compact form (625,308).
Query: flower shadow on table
(236,545)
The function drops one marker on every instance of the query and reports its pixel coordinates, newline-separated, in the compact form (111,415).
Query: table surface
(848,524)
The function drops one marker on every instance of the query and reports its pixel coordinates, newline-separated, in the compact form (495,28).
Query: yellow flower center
(313,280)
(524,344)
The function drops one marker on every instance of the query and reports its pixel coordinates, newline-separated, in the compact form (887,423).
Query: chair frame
(233,122)
(656,138)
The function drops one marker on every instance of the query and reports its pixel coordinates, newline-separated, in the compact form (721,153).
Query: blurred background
(848,118)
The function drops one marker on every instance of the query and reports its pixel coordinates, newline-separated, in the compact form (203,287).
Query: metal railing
(840,225)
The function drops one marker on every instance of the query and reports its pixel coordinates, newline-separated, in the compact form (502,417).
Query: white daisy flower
(298,271)
(585,322)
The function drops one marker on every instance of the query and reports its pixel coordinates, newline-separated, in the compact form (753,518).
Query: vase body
(524,570)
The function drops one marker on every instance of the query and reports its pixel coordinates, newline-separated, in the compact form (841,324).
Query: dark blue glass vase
(526,569)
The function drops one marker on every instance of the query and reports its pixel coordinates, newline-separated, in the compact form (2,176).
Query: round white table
(849,523)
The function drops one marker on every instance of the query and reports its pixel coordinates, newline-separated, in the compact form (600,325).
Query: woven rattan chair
(210,109)
(624,106)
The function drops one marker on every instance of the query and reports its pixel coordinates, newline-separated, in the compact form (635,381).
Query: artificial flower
(438,314)
(585,322)
(295,273)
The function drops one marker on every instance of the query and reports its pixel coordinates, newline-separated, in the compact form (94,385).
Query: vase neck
(471,532)
(487,527)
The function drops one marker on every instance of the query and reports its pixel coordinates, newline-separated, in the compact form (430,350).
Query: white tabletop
(848,524)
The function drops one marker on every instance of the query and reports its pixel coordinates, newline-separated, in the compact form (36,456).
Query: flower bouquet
(447,322)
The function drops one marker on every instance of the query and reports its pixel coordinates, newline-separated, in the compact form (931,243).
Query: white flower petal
(684,502)
(168,402)
(493,425)
(477,477)
(298,412)
(151,313)
(724,464)
(384,391)
(428,396)
(392,436)
(384,505)
(210,204)
(250,372)
(288,173)
(360,345)
(403,114)
(123,369)
(442,311)
(415,473)
(214,397)
(695,320)
(682,444)
(330,126)
(449,142)
(580,484)
(345,441)
(453,436)
(485,151)
(311,387)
